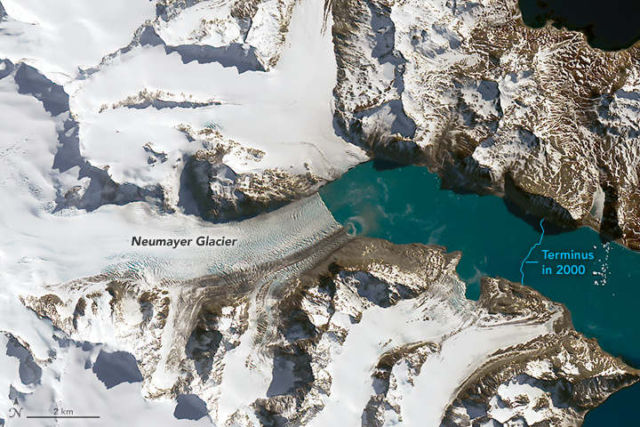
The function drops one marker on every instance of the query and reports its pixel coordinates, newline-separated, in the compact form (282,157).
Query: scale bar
(63,416)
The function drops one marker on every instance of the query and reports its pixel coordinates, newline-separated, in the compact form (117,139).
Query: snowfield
(61,37)
(285,112)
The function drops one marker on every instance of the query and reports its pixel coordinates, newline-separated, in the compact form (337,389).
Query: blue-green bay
(406,205)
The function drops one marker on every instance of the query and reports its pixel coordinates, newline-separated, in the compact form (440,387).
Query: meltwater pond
(599,284)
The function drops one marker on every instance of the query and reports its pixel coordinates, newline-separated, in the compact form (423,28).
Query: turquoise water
(406,205)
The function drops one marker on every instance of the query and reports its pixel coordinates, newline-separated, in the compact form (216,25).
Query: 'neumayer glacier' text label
(180,243)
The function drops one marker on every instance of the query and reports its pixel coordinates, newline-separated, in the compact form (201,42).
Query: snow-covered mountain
(373,333)
(493,106)
(163,98)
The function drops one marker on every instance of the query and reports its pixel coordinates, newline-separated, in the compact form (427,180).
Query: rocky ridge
(493,106)
(295,327)
(465,88)
(220,193)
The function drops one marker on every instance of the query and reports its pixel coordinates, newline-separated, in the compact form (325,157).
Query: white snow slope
(82,46)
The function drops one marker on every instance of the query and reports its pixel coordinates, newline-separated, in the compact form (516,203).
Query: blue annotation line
(524,261)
